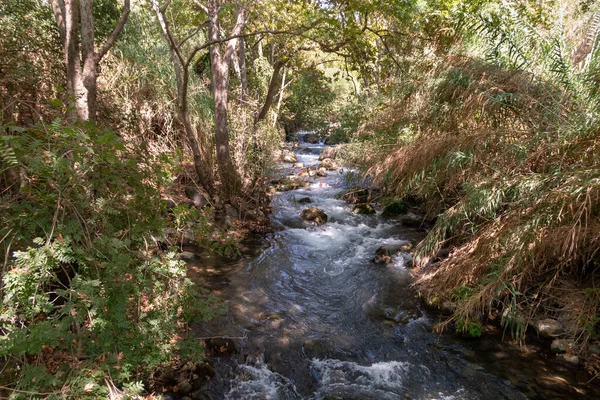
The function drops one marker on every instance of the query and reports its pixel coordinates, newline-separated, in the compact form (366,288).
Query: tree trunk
(272,91)
(74,19)
(280,99)
(230,180)
(86,90)
(202,156)
(243,69)
(220,78)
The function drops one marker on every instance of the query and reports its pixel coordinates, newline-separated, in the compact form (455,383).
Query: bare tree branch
(110,40)
(202,6)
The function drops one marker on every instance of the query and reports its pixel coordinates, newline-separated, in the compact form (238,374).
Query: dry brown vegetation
(502,163)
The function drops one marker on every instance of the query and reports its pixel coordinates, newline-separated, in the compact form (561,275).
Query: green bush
(86,295)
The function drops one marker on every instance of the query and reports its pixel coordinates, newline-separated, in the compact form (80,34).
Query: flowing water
(313,318)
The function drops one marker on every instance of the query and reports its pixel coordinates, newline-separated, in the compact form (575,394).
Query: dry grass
(500,157)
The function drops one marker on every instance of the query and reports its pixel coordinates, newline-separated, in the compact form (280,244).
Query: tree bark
(202,156)
(75,20)
(272,91)
(280,99)
(243,69)
(220,61)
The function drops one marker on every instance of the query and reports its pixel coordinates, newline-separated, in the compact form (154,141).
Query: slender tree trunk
(202,156)
(202,164)
(243,69)
(75,19)
(272,91)
(280,98)
(86,85)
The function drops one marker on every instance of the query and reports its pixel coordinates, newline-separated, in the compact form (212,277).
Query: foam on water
(258,382)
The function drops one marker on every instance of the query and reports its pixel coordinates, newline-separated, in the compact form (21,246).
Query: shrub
(86,295)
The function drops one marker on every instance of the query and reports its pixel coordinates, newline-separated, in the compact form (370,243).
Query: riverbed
(312,317)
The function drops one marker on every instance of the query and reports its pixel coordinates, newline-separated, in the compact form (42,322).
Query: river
(313,318)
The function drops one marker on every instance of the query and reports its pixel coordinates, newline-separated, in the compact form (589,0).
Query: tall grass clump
(505,159)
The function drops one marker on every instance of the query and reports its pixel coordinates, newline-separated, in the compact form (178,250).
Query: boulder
(384,254)
(304,200)
(322,172)
(328,152)
(549,328)
(205,370)
(363,208)
(568,358)
(196,196)
(328,164)
(184,387)
(561,346)
(220,346)
(289,156)
(390,250)
(357,196)
(299,165)
(289,183)
(314,215)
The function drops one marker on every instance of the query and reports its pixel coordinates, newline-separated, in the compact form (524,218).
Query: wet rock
(357,196)
(322,172)
(329,152)
(200,395)
(363,208)
(299,165)
(196,196)
(411,220)
(184,387)
(384,254)
(289,156)
(314,215)
(382,259)
(307,150)
(549,328)
(328,164)
(568,358)
(220,346)
(289,183)
(390,250)
(305,200)
(205,371)
(561,346)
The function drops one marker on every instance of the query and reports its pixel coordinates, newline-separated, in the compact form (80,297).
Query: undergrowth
(88,299)
(503,155)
